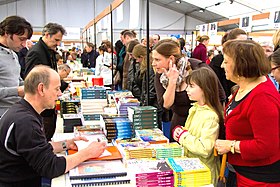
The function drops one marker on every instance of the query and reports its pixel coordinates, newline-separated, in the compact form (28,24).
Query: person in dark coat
(43,52)
(22,55)
(217,60)
(91,56)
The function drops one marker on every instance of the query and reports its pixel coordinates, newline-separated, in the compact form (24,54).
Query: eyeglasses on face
(276,67)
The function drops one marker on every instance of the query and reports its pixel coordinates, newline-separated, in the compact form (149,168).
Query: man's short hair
(64,67)
(39,74)
(53,28)
(131,34)
(15,25)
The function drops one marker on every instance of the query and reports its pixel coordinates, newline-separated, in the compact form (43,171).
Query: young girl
(205,120)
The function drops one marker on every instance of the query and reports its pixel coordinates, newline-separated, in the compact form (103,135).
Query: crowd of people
(195,96)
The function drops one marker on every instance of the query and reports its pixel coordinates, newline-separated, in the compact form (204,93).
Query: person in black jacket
(217,60)
(140,54)
(133,71)
(43,52)
(21,57)
(26,155)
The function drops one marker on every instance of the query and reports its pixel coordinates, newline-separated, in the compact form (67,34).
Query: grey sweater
(9,79)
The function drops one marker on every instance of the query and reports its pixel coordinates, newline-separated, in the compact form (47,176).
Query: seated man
(63,71)
(26,156)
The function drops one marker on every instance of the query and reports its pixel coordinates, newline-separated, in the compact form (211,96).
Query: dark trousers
(36,182)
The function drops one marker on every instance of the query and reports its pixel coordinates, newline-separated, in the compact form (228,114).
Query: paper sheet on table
(72,89)
(83,144)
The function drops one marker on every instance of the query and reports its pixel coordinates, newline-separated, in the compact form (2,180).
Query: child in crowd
(205,121)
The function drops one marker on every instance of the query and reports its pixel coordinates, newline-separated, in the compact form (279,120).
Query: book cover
(97,169)
(148,167)
(115,154)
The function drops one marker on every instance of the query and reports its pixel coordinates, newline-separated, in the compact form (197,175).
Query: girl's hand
(176,133)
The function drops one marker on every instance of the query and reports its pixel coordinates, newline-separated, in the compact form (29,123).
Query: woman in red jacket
(252,118)
(200,51)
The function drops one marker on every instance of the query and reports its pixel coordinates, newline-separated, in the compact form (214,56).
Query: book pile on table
(78,130)
(93,101)
(143,117)
(153,136)
(70,121)
(98,173)
(116,126)
(69,107)
(189,172)
(122,100)
(168,150)
(125,102)
(150,173)
(131,150)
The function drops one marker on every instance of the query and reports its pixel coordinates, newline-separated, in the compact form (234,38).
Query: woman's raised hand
(172,73)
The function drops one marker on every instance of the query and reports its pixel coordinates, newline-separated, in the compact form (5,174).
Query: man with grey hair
(63,71)
(26,155)
(14,31)
(43,52)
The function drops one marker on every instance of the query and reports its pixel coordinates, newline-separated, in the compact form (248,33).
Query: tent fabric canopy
(218,10)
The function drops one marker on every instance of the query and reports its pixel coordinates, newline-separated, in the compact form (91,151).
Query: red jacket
(200,52)
(256,123)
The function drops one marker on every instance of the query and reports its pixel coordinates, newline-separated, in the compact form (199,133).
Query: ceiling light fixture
(201,10)
(178,1)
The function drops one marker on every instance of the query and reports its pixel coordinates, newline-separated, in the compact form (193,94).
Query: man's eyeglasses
(272,69)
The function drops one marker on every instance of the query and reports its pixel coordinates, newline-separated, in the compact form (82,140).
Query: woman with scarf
(169,83)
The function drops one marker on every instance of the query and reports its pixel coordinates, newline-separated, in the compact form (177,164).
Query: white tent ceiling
(236,8)
(218,10)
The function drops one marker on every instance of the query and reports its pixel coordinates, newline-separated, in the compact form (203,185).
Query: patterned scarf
(183,66)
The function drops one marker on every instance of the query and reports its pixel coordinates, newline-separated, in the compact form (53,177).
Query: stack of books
(93,101)
(116,126)
(69,107)
(70,121)
(168,150)
(126,102)
(150,173)
(79,130)
(99,173)
(131,150)
(143,117)
(122,100)
(153,136)
(189,172)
